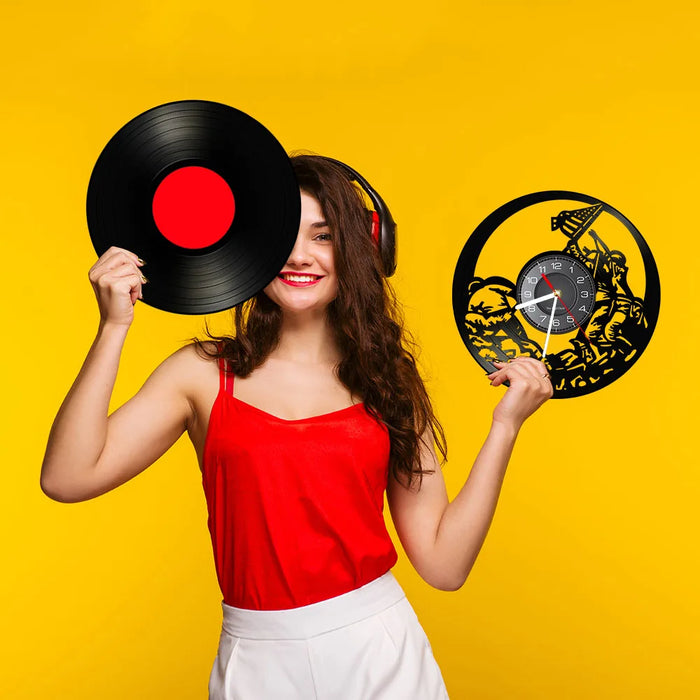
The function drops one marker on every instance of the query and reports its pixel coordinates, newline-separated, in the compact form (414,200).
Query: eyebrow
(319,224)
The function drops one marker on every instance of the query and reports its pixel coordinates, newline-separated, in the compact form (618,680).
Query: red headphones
(383,226)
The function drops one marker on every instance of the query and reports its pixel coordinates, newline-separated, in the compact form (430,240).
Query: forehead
(311,211)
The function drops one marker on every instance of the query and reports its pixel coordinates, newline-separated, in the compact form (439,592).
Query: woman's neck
(308,339)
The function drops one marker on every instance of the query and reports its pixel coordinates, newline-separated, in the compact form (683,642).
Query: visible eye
(323,237)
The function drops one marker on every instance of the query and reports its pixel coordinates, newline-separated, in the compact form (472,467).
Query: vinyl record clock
(562,277)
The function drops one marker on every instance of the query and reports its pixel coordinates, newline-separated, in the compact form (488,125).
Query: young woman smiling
(302,418)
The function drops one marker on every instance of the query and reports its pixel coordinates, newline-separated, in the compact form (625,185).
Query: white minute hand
(549,329)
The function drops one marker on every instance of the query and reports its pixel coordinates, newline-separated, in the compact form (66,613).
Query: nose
(300,254)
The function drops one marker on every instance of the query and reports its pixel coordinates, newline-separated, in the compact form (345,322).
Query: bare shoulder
(192,358)
(191,368)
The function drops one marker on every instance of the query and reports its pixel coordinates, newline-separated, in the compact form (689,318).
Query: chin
(296,302)
(296,309)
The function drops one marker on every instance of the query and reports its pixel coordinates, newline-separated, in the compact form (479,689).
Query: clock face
(564,278)
(565,287)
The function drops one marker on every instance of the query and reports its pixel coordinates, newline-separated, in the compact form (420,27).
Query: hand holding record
(117,280)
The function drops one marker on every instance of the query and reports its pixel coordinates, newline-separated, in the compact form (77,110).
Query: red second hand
(549,284)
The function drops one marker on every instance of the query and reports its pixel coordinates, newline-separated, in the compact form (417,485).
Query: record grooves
(231,146)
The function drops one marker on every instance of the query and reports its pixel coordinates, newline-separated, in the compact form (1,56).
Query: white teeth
(299,278)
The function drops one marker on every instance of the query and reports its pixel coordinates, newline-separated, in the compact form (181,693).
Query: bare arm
(79,431)
(442,539)
(89,452)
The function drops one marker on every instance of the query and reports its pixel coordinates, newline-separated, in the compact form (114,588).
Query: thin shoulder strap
(225,375)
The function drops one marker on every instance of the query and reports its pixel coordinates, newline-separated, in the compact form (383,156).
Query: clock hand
(549,284)
(536,301)
(549,328)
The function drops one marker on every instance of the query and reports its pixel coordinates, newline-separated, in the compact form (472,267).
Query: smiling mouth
(299,280)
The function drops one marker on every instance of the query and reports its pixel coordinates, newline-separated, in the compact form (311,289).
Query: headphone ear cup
(384,239)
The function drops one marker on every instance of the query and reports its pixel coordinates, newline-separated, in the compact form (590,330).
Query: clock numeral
(569,319)
(556,266)
(532,280)
(571,268)
(543,268)
(582,308)
(527,294)
(531,309)
(584,295)
(555,323)
(543,318)
(580,280)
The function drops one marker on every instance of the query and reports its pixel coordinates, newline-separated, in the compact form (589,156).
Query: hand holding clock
(530,387)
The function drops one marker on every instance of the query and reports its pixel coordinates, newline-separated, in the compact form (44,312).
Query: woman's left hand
(530,386)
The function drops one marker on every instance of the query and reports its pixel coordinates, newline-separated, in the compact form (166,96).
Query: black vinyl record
(226,163)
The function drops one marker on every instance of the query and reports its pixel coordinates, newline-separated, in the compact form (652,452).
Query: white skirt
(363,645)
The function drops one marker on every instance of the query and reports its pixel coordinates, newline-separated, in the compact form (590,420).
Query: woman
(300,421)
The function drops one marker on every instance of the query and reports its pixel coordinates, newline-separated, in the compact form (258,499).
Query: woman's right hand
(117,280)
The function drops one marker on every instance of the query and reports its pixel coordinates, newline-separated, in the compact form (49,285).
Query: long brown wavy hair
(378,354)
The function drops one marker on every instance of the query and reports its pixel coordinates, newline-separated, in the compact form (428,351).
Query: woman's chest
(293,392)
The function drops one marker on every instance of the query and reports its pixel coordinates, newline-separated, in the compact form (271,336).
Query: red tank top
(295,506)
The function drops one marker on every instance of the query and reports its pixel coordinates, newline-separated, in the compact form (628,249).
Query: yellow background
(587,586)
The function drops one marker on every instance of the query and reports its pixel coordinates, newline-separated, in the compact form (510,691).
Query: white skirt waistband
(317,618)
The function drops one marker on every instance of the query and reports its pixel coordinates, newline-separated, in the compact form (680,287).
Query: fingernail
(142,262)
(143,279)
